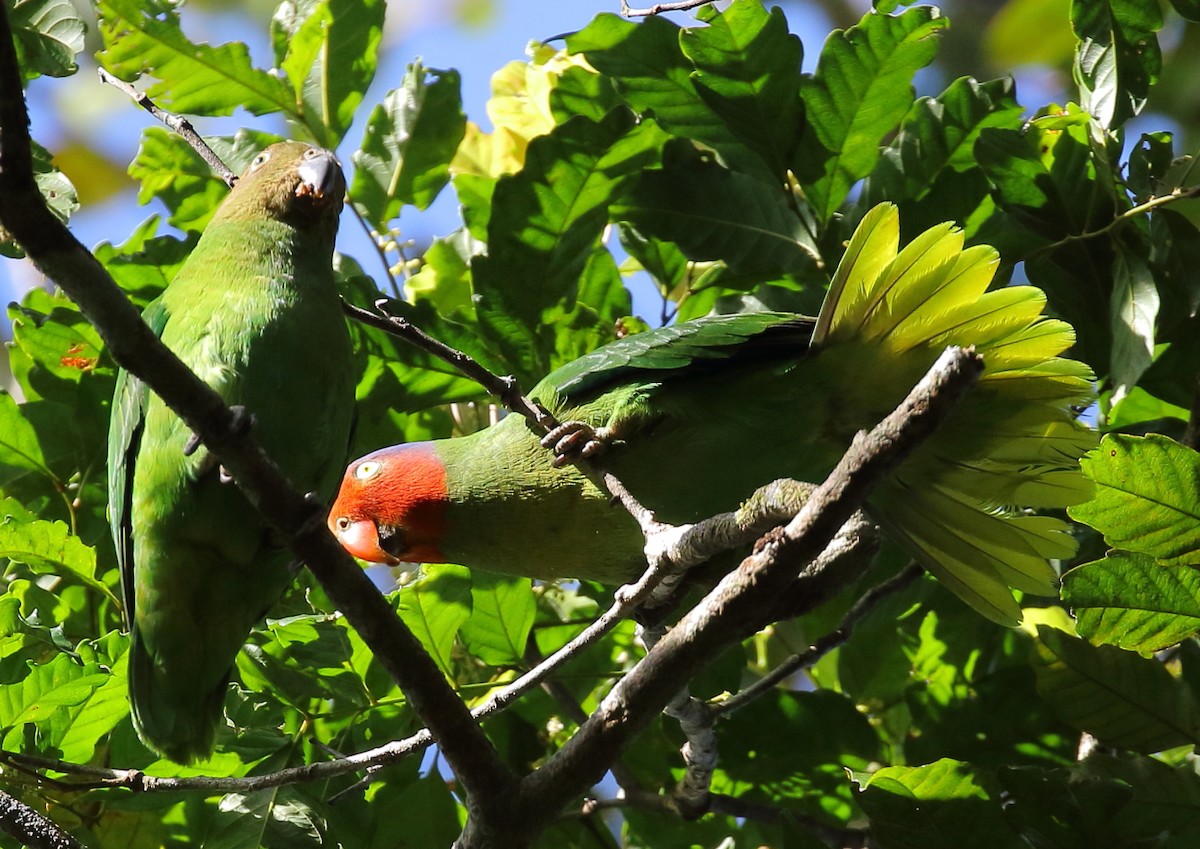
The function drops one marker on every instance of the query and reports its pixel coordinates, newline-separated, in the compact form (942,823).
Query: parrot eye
(367,470)
(343,523)
(260,161)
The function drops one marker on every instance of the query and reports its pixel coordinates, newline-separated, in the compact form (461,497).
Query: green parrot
(254,312)
(698,415)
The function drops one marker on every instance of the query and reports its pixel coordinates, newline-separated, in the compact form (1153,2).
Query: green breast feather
(254,313)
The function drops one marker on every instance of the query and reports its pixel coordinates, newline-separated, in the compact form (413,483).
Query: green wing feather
(655,354)
(125,435)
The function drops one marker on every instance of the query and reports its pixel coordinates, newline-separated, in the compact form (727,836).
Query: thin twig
(374,239)
(1177,194)
(659,8)
(823,646)
(178,123)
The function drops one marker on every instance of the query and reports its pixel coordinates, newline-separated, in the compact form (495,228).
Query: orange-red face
(392,506)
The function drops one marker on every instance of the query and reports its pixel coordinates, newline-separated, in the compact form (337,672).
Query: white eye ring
(367,470)
(260,161)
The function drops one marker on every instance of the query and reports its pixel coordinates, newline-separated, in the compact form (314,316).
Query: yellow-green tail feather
(959,503)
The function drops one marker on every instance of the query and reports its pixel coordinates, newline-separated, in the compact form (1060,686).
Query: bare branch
(659,8)
(182,126)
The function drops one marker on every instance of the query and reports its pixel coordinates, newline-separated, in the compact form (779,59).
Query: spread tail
(959,503)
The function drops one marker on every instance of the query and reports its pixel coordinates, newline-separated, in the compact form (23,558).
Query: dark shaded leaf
(1120,698)
(748,72)
(929,807)
(713,213)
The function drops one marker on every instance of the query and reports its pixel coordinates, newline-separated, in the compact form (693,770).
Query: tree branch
(178,123)
(30,828)
(658,8)
(58,255)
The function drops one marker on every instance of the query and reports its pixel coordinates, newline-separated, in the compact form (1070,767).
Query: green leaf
(943,804)
(435,607)
(1147,497)
(1150,162)
(1118,58)
(1063,809)
(445,276)
(748,72)
(791,747)
(931,162)
(58,192)
(145,263)
(407,146)
(1166,800)
(47,35)
(713,213)
(144,37)
(1134,308)
(47,687)
(329,56)
(50,548)
(279,816)
(85,725)
(502,611)
(54,347)
(1040,175)
(20,453)
(861,89)
(582,91)
(549,217)
(650,71)
(1119,697)
(1128,600)
(1175,255)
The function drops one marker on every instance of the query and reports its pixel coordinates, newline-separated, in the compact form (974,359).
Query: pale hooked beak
(361,538)
(320,174)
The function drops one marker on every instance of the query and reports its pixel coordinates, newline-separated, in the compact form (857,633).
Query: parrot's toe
(574,441)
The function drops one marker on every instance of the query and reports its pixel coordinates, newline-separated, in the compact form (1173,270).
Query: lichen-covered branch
(31,829)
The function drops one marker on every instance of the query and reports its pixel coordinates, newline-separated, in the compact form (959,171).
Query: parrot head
(293,182)
(392,506)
